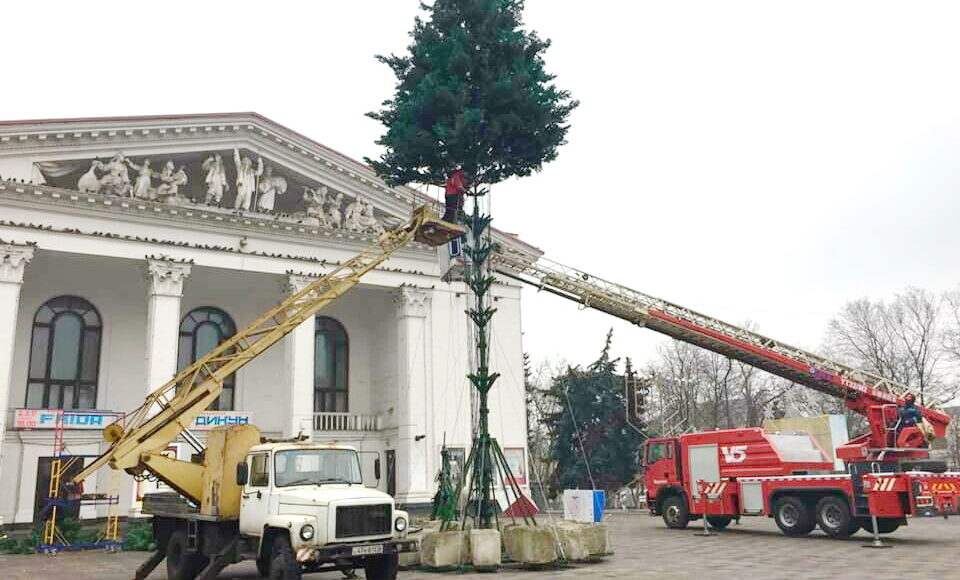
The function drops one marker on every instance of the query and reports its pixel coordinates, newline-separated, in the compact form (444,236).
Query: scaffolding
(63,499)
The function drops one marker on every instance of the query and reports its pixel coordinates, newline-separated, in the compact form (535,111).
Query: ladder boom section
(860,389)
(169,410)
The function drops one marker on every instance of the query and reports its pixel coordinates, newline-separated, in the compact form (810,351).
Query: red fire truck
(726,474)
(730,473)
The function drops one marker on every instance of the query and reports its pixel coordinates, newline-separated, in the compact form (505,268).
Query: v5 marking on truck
(734,453)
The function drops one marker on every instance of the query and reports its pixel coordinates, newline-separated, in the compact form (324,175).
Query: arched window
(330,366)
(64,355)
(200,330)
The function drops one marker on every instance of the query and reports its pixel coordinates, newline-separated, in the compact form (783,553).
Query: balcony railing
(345,422)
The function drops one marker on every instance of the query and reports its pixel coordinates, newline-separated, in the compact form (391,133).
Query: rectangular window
(259,470)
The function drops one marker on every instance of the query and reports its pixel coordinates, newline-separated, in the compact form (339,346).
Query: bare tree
(902,340)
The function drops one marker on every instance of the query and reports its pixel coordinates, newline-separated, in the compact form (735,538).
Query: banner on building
(47,419)
(212,419)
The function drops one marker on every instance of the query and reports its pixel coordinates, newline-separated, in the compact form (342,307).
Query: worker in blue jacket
(910,415)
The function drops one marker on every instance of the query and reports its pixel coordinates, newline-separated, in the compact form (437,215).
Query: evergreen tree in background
(472,94)
(595,398)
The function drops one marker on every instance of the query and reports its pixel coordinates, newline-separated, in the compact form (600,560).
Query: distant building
(115,272)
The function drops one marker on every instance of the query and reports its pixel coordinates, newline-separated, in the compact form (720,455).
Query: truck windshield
(657,451)
(317,466)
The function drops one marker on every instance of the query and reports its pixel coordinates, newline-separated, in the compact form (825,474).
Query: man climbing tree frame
(473,96)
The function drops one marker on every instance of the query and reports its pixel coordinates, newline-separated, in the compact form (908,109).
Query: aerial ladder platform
(866,393)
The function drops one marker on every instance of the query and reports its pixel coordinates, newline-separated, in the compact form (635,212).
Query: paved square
(927,548)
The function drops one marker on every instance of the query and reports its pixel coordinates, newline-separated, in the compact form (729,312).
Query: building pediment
(234,164)
(247,165)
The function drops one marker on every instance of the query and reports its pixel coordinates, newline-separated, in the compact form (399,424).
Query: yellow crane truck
(293,506)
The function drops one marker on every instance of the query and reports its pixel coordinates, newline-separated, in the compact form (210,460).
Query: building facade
(129,247)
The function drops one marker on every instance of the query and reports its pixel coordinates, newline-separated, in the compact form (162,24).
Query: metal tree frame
(486,460)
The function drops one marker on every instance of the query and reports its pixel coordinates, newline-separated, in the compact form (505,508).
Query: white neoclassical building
(129,246)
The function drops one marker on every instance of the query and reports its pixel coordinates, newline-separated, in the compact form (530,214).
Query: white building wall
(240,264)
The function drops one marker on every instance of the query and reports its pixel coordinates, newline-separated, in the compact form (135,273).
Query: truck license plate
(367,550)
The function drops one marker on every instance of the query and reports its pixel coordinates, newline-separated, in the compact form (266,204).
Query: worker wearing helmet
(909,414)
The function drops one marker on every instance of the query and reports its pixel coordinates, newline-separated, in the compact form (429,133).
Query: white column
(13,260)
(299,358)
(164,290)
(413,479)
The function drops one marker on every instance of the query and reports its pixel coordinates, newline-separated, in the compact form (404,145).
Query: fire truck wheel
(884,525)
(675,512)
(719,522)
(793,516)
(833,515)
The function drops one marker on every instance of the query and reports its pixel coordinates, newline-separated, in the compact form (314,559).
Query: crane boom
(862,391)
(170,409)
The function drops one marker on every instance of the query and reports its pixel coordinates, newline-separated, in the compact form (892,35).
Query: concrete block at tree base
(530,544)
(573,542)
(409,559)
(444,549)
(485,548)
(597,538)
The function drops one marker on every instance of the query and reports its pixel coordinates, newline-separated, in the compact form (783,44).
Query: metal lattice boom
(778,358)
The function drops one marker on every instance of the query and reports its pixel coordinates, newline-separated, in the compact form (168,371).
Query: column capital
(294,283)
(165,276)
(411,302)
(13,260)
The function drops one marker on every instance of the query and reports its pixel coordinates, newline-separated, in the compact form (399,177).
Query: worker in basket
(909,432)
(453,193)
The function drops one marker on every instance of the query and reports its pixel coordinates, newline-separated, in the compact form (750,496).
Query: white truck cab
(302,508)
(307,502)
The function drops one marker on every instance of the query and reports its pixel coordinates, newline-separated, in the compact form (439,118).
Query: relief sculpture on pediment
(116,180)
(246,179)
(205,179)
(215,178)
(269,188)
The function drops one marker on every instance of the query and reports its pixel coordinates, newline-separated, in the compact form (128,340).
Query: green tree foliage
(472,93)
(590,420)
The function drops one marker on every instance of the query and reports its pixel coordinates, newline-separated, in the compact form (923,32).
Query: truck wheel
(793,517)
(833,515)
(263,566)
(181,564)
(283,564)
(675,512)
(382,567)
(719,522)
(884,525)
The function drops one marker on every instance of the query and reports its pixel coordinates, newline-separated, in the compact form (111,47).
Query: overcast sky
(764,161)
